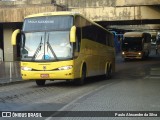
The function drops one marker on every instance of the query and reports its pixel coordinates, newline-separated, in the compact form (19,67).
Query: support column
(8,48)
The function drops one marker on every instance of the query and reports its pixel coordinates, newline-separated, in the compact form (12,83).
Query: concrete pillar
(8,48)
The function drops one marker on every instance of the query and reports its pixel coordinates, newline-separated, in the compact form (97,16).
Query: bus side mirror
(14,36)
(73,34)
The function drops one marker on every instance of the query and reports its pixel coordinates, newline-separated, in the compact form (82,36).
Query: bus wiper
(38,49)
(49,45)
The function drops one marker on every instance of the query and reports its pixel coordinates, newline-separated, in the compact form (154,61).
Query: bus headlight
(65,68)
(26,68)
(139,53)
(123,53)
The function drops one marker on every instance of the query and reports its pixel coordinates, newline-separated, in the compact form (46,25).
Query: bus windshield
(46,39)
(132,44)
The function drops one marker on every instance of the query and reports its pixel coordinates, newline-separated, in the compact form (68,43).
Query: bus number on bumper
(44,75)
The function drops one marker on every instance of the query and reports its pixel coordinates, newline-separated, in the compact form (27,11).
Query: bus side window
(109,40)
(149,38)
(145,39)
(78,34)
(101,36)
(78,42)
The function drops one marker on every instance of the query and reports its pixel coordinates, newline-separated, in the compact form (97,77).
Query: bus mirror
(73,34)
(14,36)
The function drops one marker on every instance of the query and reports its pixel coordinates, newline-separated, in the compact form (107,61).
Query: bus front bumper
(47,75)
(132,55)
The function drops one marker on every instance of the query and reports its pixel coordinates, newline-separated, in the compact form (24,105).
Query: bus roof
(64,13)
(134,34)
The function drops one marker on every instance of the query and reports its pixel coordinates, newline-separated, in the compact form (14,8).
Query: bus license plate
(44,75)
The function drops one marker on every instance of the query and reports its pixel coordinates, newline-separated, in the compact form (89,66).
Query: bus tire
(40,82)
(108,72)
(81,80)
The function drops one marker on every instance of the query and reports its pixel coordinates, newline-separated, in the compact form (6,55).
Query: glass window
(46,46)
(132,43)
(48,23)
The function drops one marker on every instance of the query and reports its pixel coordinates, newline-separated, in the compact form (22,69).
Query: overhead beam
(108,3)
(120,13)
(137,2)
(135,27)
(17,14)
(24,2)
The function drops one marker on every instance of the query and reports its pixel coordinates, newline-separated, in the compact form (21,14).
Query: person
(1,55)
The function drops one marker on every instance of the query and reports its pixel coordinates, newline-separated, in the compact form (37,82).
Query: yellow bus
(64,46)
(136,45)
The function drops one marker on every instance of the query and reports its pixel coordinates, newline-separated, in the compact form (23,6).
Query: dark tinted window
(93,32)
(132,43)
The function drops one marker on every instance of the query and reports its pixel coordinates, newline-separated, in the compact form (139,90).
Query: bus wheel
(81,80)
(108,73)
(40,82)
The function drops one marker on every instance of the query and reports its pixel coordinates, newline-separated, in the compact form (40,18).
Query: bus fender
(107,66)
(82,65)
(108,70)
